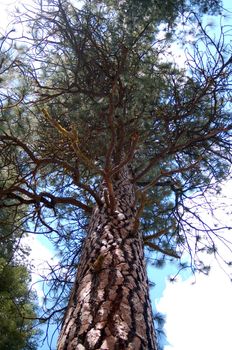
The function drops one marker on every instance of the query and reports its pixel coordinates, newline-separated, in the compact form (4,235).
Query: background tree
(18,304)
(113,131)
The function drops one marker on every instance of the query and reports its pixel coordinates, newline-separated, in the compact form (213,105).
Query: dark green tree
(116,142)
(18,304)
(17,310)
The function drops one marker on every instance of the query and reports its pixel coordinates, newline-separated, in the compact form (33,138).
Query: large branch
(47,199)
(39,162)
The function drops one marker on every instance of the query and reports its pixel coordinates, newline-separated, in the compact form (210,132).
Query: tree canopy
(92,89)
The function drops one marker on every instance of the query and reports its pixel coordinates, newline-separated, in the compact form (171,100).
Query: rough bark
(109,306)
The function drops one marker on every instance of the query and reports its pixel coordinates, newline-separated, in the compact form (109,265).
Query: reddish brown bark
(109,307)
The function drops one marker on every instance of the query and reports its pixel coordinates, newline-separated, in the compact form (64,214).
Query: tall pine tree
(115,142)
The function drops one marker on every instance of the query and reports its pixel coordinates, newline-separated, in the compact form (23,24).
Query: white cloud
(40,256)
(199,316)
(6,8)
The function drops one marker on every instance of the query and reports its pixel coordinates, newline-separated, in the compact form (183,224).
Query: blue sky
(198,310)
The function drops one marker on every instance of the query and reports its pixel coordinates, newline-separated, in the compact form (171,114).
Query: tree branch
(159,249)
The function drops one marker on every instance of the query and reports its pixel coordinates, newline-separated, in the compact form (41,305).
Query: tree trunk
(109,306)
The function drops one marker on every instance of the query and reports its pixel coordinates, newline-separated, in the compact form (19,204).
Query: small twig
(155,235)
(159,249)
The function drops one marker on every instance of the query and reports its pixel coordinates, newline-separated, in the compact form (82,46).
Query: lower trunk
(109,306)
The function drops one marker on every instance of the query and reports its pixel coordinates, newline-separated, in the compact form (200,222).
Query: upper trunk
(109,306)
